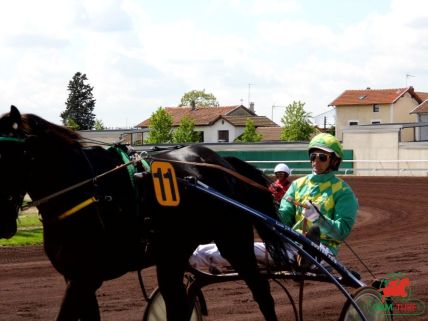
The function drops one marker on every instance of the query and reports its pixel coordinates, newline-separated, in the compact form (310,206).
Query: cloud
(103,16)
(139,56)
(34,41)
(277,7)
(258,7)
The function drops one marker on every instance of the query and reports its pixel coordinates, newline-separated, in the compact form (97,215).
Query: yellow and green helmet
(327,142)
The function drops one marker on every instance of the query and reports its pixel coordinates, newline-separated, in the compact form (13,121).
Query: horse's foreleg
(80,302)
(244,261)
(171,286)
(260,289)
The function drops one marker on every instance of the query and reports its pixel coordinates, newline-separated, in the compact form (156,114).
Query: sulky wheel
(370,302)
(156,311)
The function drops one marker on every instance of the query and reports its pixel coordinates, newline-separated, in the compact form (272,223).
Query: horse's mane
(33,125)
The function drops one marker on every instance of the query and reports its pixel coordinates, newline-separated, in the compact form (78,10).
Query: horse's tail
(262,200)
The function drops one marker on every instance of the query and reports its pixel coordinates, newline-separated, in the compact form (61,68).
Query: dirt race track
(391,235)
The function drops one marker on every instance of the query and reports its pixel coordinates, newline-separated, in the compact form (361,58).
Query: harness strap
(12,139)
(77,208)
(89,201)
(125,159)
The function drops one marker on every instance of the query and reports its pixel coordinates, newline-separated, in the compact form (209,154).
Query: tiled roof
(423,96)
(259,121)
(422,108)
(201,116)
(270,133)
(372,96)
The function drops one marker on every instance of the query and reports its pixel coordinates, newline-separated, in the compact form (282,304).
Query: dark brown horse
(89,242)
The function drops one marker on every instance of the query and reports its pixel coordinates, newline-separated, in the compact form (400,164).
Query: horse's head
(12,168)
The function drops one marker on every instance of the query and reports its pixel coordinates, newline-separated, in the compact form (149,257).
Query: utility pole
(276,106)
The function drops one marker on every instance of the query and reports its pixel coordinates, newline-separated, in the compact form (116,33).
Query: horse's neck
(55,169)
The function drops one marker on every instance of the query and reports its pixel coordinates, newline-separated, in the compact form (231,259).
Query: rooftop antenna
(407,77)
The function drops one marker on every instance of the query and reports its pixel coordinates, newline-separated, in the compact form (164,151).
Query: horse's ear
(14,112)
(15,117)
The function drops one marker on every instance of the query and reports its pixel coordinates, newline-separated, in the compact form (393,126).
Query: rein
(224,169)
(94,180)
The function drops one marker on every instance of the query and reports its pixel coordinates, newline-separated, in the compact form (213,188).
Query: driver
(324,190)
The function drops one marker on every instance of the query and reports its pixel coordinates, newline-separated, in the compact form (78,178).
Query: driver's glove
(310,212)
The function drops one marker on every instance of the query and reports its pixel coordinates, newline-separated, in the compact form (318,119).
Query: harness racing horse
(97,218)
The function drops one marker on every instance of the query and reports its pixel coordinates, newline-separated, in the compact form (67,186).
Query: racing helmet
(281,167)
(330,144)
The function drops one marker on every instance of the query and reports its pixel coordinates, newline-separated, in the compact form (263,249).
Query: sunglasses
(320,156)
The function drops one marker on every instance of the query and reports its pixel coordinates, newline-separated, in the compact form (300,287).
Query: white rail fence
(409,167)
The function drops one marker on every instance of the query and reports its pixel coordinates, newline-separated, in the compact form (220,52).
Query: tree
(185,132)
(198,98)
(249,135)
(297,126)
(160,127)
(80,103)
(331,130)
(99,124)
(71,123)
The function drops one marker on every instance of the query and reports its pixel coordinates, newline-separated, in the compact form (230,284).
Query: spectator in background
(281,184)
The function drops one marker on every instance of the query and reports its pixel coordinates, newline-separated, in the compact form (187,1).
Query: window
(375,108)
(353,122)
(375,122)
(223,136)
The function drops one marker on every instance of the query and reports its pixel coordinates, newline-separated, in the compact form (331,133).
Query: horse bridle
(15,200)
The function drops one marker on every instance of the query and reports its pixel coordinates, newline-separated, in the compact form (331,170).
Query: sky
(140,55)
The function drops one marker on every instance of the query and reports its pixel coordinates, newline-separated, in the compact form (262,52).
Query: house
(375,106)
(270,134)
(421,112)
(215,124)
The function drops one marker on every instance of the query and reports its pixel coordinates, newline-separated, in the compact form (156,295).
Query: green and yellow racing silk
(334,198)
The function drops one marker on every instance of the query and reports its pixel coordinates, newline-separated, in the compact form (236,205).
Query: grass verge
(30,230)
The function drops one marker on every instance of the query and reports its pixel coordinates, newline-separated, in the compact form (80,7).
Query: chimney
(252,106)
(193,104)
